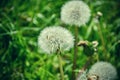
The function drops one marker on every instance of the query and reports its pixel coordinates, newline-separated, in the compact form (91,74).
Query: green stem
(75,53)
(102,40)
(61,67)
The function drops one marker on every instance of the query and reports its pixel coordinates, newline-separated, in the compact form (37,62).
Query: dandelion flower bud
(53,38)
(75,13)
(103,70)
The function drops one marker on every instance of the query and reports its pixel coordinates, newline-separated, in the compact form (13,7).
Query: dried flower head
(103,71)
(53,38)
(75,13)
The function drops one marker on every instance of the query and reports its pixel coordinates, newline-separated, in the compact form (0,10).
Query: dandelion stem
(60,64)
(75,53)
(89,60)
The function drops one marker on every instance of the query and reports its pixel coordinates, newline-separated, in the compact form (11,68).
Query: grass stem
(103,41)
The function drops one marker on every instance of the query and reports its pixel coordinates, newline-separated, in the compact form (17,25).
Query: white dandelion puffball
(53,38)
(75,13)
(103,70)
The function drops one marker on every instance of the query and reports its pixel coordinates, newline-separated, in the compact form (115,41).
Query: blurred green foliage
(21,22)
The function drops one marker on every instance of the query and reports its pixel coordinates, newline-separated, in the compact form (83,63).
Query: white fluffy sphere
(53,38)
(75,13)
(104,71)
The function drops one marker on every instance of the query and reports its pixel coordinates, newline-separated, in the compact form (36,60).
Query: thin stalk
(84,67)
(102,39)
(60,64)
(87,64)
(75,53)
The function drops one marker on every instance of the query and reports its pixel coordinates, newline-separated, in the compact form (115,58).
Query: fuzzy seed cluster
(53,38)
(104,71)
(75,13)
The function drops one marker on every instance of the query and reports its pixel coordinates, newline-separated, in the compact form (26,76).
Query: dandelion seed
(53,38)
(75,13)
(103,70)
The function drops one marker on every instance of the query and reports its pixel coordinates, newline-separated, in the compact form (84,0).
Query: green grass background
(21,22)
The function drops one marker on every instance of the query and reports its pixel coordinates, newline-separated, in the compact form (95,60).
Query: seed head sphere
(104,71)
(53,38)
(75,13)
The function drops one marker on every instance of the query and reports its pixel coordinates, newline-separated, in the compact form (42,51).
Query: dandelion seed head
(75,13)
(53,38)
(104,71)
